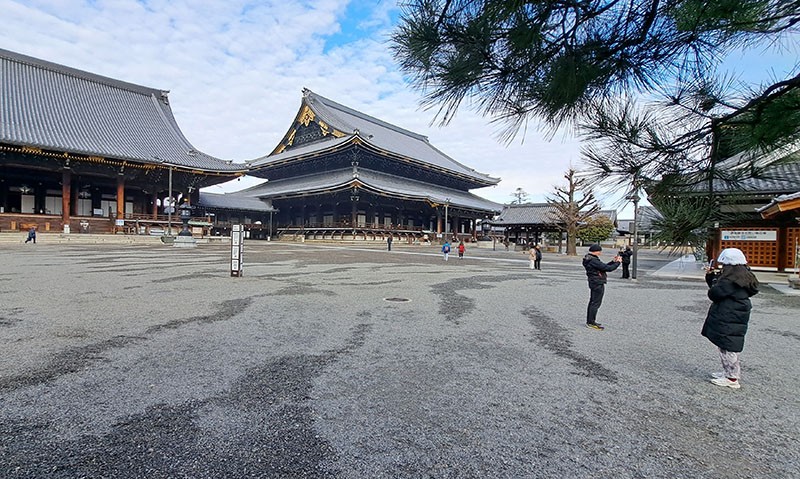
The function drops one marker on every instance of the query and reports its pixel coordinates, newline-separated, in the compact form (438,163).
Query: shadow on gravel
(454,306)
(76,359)
(267,430)
(553,337)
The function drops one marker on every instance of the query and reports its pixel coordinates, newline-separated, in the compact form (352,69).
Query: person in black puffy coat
(726,322)
(597,274)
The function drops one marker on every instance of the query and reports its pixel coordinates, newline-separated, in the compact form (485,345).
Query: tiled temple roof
(56,108)
(527,214)
(347,124)
(378,182)
(232,201)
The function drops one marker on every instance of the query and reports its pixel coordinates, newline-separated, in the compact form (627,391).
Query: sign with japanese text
(749,235)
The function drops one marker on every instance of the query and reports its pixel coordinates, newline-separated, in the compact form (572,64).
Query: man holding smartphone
(597,273)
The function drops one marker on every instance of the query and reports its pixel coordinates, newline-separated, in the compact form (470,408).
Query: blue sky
(236,69)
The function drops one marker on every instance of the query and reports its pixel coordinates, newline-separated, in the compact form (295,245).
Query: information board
(749,235)
(237,248)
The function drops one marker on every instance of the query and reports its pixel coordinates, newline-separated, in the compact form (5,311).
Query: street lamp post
(171,205)
(446,223)
(270,225)
(635,198)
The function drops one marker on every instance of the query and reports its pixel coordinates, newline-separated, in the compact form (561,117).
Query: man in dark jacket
(597,273)
(626,262)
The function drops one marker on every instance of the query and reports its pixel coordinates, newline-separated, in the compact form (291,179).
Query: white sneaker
(717,375)
(726,383)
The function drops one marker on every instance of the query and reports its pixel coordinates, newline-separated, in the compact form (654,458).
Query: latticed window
(307,134)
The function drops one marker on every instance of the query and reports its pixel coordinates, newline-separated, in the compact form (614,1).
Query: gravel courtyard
(322,361)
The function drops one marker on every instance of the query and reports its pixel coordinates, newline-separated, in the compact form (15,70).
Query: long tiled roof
(232,201)
(57,108)
(778,173)
(371,180)
(527,214)
(378,133)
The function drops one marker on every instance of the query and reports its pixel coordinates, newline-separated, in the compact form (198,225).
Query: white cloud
(235,71)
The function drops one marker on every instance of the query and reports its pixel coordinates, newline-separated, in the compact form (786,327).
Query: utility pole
(169,207)
(635,198)
(446,223)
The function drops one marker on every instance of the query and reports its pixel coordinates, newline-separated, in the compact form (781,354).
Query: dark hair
(740,275)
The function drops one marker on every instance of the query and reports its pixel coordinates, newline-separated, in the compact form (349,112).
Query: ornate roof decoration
(51,109)
(322,125)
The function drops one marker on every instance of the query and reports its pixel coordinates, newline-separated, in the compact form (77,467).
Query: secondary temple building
(83,152)
(339,173)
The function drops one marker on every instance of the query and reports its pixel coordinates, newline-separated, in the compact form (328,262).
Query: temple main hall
(339,173)
(84,153)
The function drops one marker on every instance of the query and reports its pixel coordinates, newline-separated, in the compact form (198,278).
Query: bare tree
(574,204)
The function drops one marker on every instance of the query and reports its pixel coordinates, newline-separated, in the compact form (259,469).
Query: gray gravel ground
(152,362)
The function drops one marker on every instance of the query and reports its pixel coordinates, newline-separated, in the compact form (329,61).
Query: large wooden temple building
(83,152)
(339,173)
(80,152)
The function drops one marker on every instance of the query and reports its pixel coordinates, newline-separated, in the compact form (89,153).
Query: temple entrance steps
(369,235)
(78,238)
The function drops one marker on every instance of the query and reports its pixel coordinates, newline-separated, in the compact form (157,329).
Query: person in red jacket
(461,249)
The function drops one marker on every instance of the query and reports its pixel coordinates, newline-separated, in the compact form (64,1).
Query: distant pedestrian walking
(726,322)
(597,273)
(446,250)
(389,242)
(461,249)
(626,262)
(31,235)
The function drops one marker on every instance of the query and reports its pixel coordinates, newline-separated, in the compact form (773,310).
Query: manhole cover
(397,300)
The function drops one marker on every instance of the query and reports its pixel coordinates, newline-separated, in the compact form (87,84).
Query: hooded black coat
(726,322)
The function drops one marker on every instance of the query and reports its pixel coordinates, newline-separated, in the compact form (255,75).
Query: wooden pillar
(39,196)
(66,195)
(120,196)
(154,199)
(438,221)
(74,193)
(4,195)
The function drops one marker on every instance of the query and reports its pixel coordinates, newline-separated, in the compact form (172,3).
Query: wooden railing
(343,225)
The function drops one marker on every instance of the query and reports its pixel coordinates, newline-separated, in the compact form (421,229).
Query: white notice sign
(749,235)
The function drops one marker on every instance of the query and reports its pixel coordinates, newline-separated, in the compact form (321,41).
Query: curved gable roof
(381,183)
(53,107)
(341,123)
